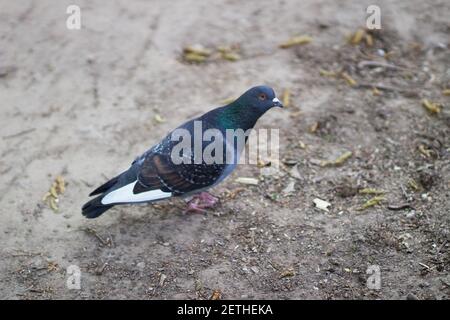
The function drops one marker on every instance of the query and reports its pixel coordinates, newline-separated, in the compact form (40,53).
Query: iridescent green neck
(237,116)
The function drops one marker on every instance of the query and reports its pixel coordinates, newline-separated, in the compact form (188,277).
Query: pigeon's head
(260,99)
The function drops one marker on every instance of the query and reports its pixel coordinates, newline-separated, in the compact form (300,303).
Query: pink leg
(200,202)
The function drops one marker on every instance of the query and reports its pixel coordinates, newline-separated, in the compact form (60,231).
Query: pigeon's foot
(208,199)
(200,202)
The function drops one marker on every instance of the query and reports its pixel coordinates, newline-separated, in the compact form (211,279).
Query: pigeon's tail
(94,208)
(104,187)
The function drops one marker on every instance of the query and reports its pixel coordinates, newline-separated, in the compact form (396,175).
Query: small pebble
(141,265)
(411,296)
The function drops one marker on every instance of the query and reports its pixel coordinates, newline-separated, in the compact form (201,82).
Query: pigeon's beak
(277,103)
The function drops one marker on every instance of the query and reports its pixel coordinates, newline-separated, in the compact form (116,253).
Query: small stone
(428,178)
(334,262)
(295,173)
(255,269)
(322,204)
(381,52)
(289,188)
(162,279)
(141,265)
(411,214)
(245,180)
(411,296)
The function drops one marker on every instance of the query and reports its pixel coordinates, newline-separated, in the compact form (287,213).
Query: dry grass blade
(338,161)
(349,79)
(431,107)
(250,181)
(57,188)
(405,92)
(230,56)
(286,97)
(197,50)
(159,119)
(193,57)
(326,73)
(295,41)
(369,40)
(371,202)
(371,191)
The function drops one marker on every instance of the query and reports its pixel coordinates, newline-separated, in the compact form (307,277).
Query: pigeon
(169,170)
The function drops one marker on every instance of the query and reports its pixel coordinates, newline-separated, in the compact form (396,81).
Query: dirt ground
(83,103)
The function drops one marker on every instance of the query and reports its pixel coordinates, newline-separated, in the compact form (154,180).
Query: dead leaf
(287,273)
(231,194)
(369,40)
(52,266)
(314,127)
(357,36)
(413,185)
(423,150)
(51,197)
(216,295)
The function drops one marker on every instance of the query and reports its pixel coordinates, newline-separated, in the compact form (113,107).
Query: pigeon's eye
(262,96)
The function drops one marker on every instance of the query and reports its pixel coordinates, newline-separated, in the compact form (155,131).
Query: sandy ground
(82,104)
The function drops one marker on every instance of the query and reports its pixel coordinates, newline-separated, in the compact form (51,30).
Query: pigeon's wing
(153,176)
(158,171)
